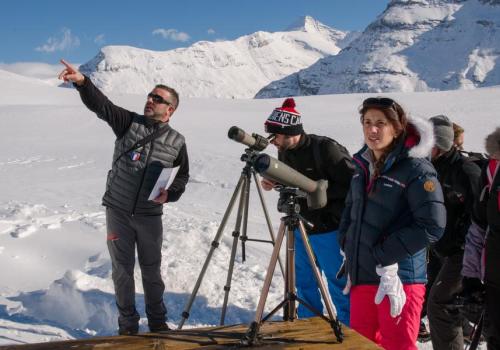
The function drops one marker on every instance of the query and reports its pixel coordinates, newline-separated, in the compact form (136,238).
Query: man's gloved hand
(390,285)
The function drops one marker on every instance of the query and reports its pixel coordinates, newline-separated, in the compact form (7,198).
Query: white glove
(341,272)
(390,285)
(348,285)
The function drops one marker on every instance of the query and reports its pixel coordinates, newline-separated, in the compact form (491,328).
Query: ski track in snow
(21,220)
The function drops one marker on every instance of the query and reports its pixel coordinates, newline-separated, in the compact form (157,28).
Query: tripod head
(249,156)
(289,204)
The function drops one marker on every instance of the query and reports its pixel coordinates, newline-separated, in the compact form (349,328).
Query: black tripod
(243,189)
(288,204)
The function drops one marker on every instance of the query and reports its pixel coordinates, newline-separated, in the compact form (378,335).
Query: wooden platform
(311,333)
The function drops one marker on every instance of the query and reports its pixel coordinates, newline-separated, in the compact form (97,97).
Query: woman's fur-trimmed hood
(419,138)
(492,144)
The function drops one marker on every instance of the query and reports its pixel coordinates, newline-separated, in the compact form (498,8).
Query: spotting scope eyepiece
(277,171)
(254,141)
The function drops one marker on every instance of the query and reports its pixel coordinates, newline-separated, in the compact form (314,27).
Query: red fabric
(289,106)
(112,236)
(375,321)
(412,136)
(492,165)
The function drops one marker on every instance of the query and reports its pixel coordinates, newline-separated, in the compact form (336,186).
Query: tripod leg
(251,336)
(244,236)
(289,311)
(236,235)
(215,245)
(266,215)
(328,303)
(269,273)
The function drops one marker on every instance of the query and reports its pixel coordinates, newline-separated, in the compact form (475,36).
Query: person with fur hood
(482,246)
(394,210)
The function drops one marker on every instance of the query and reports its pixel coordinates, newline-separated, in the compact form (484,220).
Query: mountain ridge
(224,69)
(414,45)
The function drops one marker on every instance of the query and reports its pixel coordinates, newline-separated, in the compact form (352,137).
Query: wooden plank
(313,333)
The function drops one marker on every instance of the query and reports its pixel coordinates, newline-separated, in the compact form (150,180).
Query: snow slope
(55,278)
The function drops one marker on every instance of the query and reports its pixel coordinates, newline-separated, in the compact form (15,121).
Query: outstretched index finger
(70,68)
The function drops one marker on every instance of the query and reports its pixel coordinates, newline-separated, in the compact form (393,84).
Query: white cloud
(99,40)
(211,31)
(172,34)
(60,44)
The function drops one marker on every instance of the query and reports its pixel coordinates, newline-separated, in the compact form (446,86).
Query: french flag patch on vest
(135,156)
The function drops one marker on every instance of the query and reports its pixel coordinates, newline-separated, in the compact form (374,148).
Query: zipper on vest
(142,178)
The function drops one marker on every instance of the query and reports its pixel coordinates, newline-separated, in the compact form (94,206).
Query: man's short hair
(172,92)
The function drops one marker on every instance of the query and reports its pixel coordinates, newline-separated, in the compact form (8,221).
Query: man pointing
(145,145)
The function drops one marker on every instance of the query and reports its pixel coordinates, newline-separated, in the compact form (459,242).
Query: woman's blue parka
(394,217)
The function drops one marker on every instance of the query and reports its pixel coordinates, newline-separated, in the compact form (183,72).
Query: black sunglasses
(383,102)
(158,99)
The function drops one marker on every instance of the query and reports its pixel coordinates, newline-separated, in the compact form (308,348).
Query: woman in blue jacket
(394,210)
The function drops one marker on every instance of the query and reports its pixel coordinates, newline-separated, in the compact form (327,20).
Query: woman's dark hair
(394,113)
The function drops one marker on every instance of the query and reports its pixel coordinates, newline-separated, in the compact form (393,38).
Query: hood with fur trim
(492,144)
(419,137)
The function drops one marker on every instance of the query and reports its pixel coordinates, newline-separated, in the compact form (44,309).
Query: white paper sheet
(165,179)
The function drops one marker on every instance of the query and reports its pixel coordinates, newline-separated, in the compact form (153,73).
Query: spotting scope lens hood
(275,170)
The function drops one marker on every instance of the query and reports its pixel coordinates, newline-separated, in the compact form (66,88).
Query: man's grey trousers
(125,232)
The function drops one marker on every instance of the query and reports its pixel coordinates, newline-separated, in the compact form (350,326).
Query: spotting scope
(254,141)
(272,169)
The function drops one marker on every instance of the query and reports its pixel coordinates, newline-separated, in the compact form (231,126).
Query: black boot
(423,334)
(128,331)
(158,328)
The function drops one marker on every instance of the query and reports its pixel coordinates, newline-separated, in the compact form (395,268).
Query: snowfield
(55,279)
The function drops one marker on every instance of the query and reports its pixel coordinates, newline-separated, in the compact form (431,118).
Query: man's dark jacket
(488,216)
(459,178)
(130,181)
(335,165)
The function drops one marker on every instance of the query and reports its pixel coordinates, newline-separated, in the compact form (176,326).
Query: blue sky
(44,31)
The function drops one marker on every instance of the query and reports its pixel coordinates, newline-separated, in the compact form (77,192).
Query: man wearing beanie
(459,178)
(317,157)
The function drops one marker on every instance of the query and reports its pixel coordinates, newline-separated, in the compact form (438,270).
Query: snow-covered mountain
(414,45)
(225,69)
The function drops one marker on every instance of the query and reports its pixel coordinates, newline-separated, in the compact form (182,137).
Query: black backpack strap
(144,141)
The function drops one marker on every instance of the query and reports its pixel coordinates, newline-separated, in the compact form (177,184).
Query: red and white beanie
(285,120)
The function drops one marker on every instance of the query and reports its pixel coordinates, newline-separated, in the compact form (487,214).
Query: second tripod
(290,223)
(243,190)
